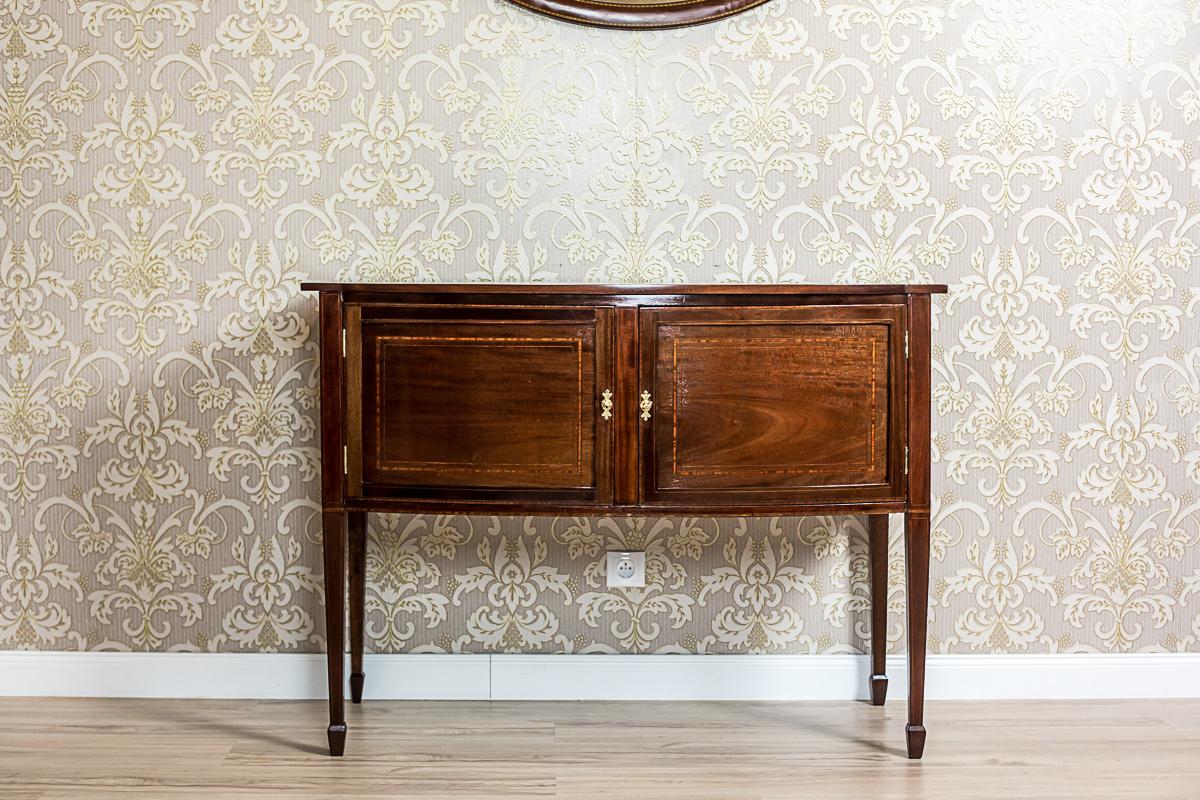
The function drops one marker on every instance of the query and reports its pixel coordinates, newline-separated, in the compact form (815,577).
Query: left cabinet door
(480,402)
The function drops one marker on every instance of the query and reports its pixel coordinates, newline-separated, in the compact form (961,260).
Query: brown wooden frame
(624,360)
(638,15)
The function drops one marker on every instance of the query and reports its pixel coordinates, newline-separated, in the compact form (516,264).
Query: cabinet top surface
(619,289)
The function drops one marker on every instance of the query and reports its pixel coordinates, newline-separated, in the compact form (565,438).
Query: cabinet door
(766,404)
(478,402)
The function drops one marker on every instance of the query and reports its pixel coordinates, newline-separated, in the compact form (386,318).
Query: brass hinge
(344,344)
(346,460)
(906,459)
(906,344)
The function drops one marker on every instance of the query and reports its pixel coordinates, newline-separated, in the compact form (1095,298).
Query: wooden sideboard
(632,400)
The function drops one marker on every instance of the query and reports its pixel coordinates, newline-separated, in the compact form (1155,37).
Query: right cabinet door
(762,404)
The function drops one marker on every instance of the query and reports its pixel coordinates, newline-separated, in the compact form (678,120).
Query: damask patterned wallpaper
(170,170)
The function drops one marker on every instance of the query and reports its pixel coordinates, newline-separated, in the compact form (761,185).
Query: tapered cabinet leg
(916,550)
(357,524)
(877,528)
(335,610)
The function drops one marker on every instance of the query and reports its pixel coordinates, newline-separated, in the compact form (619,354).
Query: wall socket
(626,568)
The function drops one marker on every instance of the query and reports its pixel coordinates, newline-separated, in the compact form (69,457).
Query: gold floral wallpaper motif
(170,170)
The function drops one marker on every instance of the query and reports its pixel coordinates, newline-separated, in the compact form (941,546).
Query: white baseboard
(540,677)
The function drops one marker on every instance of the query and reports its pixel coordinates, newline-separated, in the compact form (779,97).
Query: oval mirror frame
(638,14)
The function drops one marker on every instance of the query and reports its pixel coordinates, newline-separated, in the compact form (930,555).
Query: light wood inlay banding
(399,465)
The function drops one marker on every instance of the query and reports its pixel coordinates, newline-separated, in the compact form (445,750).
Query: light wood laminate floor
(60,748)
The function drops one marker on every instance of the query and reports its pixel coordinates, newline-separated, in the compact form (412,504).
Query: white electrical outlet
(626,568)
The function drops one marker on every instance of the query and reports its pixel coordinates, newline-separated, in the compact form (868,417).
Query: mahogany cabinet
(648,400)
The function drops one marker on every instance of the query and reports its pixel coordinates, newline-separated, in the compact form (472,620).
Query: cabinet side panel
(919,406)
(332,402)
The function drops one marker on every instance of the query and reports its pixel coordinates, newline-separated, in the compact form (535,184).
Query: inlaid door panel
(766,403)
(478,401)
